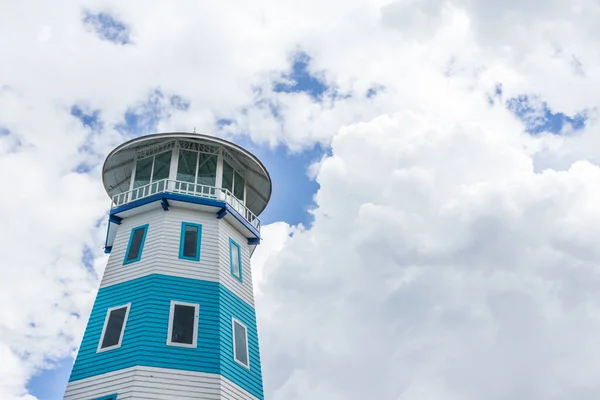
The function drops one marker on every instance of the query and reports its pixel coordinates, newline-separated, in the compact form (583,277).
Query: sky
(432,230)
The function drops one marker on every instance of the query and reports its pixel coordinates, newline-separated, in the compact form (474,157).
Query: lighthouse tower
(174,316)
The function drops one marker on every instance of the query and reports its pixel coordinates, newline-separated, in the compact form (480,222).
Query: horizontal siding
(147,383)
(160,254)
(121,382)
(206,268)
(230,391)
(232,306)
(144,340)
(242,289)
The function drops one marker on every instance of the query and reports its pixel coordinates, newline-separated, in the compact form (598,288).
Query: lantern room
(186,170)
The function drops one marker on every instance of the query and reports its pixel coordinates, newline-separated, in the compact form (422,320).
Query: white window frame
(233,322)
(118,345)
(170,330)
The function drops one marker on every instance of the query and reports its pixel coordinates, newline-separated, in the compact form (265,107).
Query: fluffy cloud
(440,265)
(451,254)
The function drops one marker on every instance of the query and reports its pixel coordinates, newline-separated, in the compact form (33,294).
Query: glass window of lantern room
(238,186)
(186,167)
(160,171)
(143,172)
(162,165)
(207,169)
(152,169)
(233,181)
(227,176)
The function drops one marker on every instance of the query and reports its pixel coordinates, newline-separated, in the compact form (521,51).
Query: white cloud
(275,236)
(440,265)
(444,237)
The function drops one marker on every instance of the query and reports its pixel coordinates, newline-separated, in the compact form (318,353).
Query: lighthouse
(174,316)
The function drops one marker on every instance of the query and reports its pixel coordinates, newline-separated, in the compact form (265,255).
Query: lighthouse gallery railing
(191,189)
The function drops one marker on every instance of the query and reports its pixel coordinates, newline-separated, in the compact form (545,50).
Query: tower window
(114,328)
(183,324)
(109,397)
(240,343)
(189,247)
(136,244)
(235,259)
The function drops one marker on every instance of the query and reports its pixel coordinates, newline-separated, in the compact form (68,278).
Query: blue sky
(293,190)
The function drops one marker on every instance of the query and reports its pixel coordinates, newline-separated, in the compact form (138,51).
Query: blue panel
(115,219)
(145,336)
(145,228)
(222,212)
(239,257)
(107,248)
(253,241)
(198,241)
(165,204)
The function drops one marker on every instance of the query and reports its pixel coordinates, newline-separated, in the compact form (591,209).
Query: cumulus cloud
(440,266)
(452,255)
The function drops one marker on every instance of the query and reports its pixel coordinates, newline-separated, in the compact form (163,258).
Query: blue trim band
(186,199)
(239,253)
(136,203)
(114,219)
(139,256)
(165,204)
(182,241)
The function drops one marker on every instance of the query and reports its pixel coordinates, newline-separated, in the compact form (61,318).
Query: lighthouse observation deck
(190,189)
(176,168)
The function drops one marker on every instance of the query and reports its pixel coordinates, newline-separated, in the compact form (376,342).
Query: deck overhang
(165,200)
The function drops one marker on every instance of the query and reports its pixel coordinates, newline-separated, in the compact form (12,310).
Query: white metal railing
(190,189)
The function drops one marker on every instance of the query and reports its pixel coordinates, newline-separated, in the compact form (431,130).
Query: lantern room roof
(118,166)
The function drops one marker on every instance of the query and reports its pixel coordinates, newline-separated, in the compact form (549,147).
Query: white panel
(241,289)
(148,383)
(231,391)
(160,254)
(120,382)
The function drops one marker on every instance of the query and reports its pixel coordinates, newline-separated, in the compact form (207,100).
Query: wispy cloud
(145,116)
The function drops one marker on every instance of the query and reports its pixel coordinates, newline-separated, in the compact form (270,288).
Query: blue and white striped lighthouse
(174,316)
